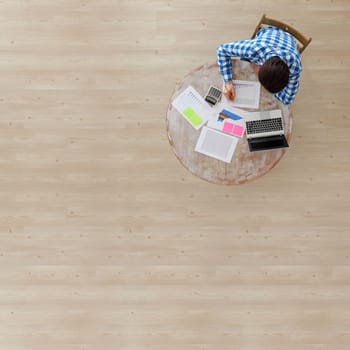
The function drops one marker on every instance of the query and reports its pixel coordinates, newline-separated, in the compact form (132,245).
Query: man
(275,58)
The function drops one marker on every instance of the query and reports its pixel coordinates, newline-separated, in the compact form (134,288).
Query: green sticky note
(192,116)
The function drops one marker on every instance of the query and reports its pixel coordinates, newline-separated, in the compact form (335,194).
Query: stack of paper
(225,123)
(220,137)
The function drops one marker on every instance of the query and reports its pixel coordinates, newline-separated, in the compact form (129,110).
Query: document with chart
(193,107)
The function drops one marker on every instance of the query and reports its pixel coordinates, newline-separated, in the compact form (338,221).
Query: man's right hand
(229,90)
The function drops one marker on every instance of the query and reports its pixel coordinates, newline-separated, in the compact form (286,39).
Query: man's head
(274,74)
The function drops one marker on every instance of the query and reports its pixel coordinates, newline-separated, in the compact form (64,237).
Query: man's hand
(255,68)
(229,90)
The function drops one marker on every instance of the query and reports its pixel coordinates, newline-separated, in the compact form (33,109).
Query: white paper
(191,98)
(247,94)
(215,124)
(216,144)
(218,125)
(224,104)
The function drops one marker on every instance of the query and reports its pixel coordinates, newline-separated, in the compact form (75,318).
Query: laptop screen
(266,143)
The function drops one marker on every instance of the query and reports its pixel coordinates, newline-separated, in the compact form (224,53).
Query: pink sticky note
(238,130)
(228,127)
(233,129)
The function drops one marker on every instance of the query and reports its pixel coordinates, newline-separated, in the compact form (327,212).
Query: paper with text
(247,94)
(216,144)
(193,107)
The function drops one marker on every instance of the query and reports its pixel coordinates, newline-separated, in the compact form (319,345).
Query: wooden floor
(107,242)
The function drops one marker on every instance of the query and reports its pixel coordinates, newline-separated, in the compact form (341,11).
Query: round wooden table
(245,165)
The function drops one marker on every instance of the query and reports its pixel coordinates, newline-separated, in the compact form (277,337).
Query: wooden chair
(302,40)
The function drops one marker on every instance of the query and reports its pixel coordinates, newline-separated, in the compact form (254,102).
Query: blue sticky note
(230,114)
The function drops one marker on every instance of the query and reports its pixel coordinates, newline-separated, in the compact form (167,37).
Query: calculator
(213,95)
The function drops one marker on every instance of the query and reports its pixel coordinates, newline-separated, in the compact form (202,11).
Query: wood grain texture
(245,165)
(107,242)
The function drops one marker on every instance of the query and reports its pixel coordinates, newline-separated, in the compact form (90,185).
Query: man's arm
(225,52)
(288,94)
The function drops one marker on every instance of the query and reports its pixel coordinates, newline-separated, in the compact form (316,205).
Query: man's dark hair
(274,74)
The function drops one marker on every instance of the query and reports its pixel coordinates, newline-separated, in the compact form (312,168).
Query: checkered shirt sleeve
(225,52)
(269,42)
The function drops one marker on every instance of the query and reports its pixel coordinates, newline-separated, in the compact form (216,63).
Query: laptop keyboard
(264,125)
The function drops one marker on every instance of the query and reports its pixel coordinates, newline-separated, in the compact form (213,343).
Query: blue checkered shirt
(269,41)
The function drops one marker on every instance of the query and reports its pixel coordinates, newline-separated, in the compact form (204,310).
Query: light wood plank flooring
(107,242)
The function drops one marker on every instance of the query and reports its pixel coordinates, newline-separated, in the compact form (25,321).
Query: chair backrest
(302,40)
